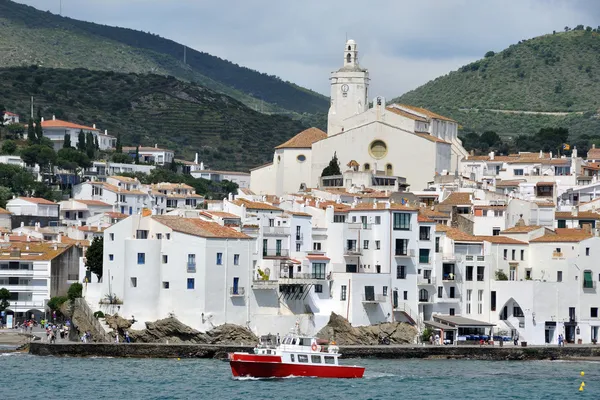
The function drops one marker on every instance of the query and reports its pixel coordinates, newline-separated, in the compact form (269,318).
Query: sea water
(25,376)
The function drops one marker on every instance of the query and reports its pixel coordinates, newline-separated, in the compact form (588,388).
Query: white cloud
(403,43)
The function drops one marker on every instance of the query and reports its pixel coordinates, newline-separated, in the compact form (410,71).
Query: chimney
(574,211)
(196,159)
(550,154)
(472,152)
(375,205)
(541,154)
(22,224)
(156,145)
(593,145)
(53,117)
(587,228)
(388,205)
(106,131)
(492,155)
(59,238)
(94,126)
(201,165)
(42,120)
(574,152)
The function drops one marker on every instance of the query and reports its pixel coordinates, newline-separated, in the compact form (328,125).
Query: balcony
(191,267)
(353,251)
(274,253)
(261,284)
(236,291)
(428,299)
(301,278)
(454,258)
(276,230)
(407,253)
(374,298)
(451,277)
(358,225)
(556,254)
(426,281)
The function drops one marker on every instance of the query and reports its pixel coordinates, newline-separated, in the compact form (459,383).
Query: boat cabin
(301,349)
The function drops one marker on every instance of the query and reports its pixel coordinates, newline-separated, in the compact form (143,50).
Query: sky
(403,43)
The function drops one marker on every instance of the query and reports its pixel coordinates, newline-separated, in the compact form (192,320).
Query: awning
(318,258)
(437,325)
(544,184)
(461,322)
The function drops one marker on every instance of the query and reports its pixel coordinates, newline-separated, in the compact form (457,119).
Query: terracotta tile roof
(433,213)
(428,113)
(422,218)
(3,211)
(593,154)
(38,200)
(115,189)
(91,228)
(405,114)
(521,229)
(570,231)
(22,238)
(460,236)
(246,191)
(489,207)
(545,184)
(304,140)
(220,214)
(255,205)
(199,227)
(373,194)
(316,257)
(337,207)
(552,238)
(37,251)
(457,199)
(93,203)
(146,149)
(501,240)
(116,215)
(299,214)
(260,166)
(125,179)
(170,186)
(580,215)
(57,123)
(508,183)
(442,228)
(381,206)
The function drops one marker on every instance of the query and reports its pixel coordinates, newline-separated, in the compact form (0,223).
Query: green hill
(152,109)
(555,73)
(32,37)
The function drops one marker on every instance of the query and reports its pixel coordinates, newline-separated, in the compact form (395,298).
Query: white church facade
(383,146)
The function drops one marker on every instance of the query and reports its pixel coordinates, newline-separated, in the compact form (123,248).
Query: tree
(119,145)
(15,130)
(38,154)
(75,291)
(9,147)
(81,141)
(5,195)
(94,257)
(39,131)
(333,168)
(55,302)
(70,159)
(67,141)
(31,138)
(4,299)
(489,54)
(137,154)
(490,137)
(96,144)
(90,147)
(120,158)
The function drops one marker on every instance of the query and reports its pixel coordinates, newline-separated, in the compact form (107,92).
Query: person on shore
(560,340)
(437,339)
(127,338)
(516,340)
(117,337)
(431,339)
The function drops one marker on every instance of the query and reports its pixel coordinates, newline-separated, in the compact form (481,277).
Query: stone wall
(142,350)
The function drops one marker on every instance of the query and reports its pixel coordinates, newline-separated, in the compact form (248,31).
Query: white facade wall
(21,206)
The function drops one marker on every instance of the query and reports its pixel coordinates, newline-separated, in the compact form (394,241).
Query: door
(395,299)
(370,293)
(236,282)
(278,248)
(351,268)
(451,292)
(363,220)
(291,271)
(130,211)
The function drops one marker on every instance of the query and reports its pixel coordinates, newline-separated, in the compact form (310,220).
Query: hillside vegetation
(32,37)
(151,109)
(559,72)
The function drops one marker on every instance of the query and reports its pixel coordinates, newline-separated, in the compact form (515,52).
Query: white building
(78,211)
(177,195)
(56,129)
(33,206)
(122,193)
(381,144)
(151,155)
(242,179)
(10,118)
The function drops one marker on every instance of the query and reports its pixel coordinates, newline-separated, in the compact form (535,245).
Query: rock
(173,331)
(340,330)
(117,322)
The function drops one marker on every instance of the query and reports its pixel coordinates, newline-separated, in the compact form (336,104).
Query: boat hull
(272,367)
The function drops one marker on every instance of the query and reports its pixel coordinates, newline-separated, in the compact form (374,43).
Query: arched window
(423,295)
(348,58)
(389,170)
(367,167)
(349,48)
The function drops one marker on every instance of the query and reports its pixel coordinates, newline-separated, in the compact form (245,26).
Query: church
(378,146)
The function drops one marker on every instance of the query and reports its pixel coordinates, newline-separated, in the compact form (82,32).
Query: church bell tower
(349,90)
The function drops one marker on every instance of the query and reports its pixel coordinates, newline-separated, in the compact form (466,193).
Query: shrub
(501,276)
(426,334)
(98,314)
(55,302)
(75,291)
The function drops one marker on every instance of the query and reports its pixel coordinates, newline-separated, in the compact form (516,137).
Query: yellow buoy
(178,359)
(581,388)
(583,384)
(582,373)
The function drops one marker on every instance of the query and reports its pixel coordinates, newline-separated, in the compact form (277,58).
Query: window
(385,289)
(518,171)
(558,276)
(315,359)
(301,158)
(302,358)
(451,311)
(377,245)
(298,233)
(440,292)
(165,285)
(517,312)
(141,259)
(165,258)
(528,274)
(557,250)
(191,283)
(318,288)
(493,300)
(365,244)
(424,233)
(297,246)
(424,256)
(317,246)
(141,234)
(168,235)
(378,149)
(111,236)
(378,220)
(514,252)
(318,270)
(406,295)
(480,273)
(452,292)
(522,255)
(292,358)
(562,223)
(159,236)
(219,258)
(343,293)
(505,254)
(236,259)
(271,222)
(401,247)
(367,167)
(111,257)
(495,231)
(400,272)
(469,293)
(469,274)
(401,221)
(133,282)
(587,251)
(588,282)
(480,302)
(329,360)
(594,312)
(338,218)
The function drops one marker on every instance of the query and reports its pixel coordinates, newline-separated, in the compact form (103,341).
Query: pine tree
(119,146)
(96,144)
(333,168)
(90,147)
(67,141)
(81,141)
(137,154)
(31,132)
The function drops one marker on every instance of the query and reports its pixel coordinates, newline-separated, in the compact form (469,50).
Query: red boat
(296,355)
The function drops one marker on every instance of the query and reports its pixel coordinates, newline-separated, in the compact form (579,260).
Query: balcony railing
(407,253)
(424,260)
(358,225)
(451,277)
(589,284)
(452,257)
(426,281)
(275,253)
(354,250)
(374,298)
(428,299)
(276,230)
(236,291)
(302,276)
(191,267)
